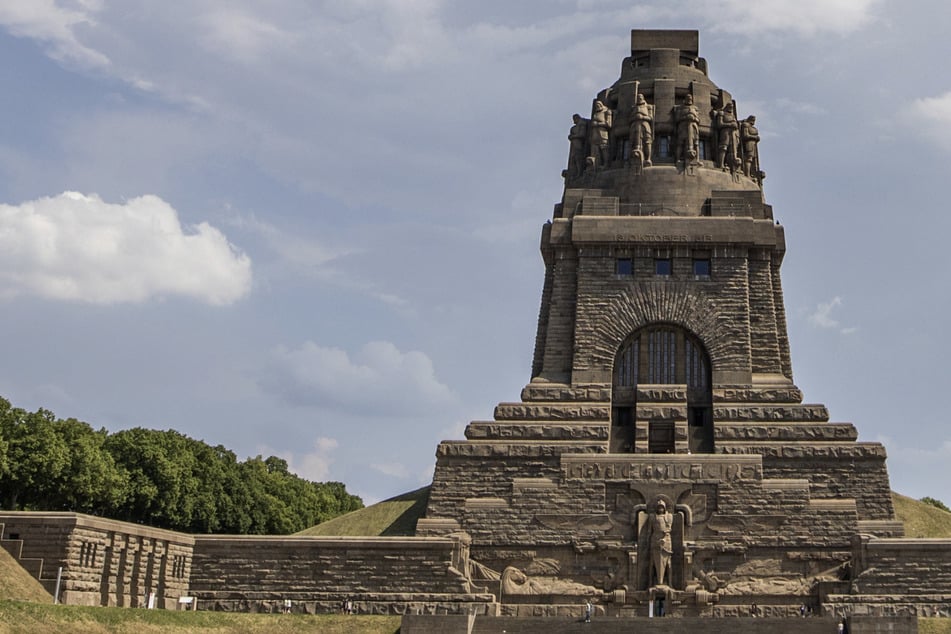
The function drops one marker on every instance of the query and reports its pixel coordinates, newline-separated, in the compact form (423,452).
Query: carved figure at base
(728,138)
(517,582)
(600,135)
(659,526)
(577,139)
(642,131)
(749,139)
(687,118)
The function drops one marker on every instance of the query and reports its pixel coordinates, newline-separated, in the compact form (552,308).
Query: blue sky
(310,229)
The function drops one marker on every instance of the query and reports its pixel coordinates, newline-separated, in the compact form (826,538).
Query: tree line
(159,478)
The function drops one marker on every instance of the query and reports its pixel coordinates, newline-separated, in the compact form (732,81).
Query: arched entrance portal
(662,354)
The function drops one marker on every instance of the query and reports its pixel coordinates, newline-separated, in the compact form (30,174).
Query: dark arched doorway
(662,354)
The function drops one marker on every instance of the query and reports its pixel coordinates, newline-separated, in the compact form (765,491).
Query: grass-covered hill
(390,518)
(17,584)
(920,519)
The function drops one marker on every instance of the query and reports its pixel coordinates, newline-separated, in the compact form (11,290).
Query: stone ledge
(552,411)
(560,392)
(537,430)
(520,449)
(770,413)
(813,449)
(882,528)
(785,485)
(784,431)
(474,504)
(845,505)
(533,484)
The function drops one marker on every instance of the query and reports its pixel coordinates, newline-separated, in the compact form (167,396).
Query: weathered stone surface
(537,430)
(552,411)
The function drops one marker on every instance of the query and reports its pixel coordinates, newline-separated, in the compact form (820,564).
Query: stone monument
(662,456)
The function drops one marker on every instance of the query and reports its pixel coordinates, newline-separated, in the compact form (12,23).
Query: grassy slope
(920,519)
(389,518)
(16,583)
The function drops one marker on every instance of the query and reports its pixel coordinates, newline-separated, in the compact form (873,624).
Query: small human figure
(687,118)
(841,629)
(587,611)
(728,137)
(577,137)
(749,139)
(802,610)
(286,608)
(642,131)
(348,606)
(754,610)
(659,525)
(600,132)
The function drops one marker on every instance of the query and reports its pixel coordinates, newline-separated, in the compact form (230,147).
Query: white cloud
(377,380)
(235,34)
(804,17)
(77,247)
(391,469)
(936,111)
(47,21)
(822,317)
(313,465)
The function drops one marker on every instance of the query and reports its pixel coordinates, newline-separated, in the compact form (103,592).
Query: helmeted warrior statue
(687,118)
(728,137)
(600,132)
(642,131)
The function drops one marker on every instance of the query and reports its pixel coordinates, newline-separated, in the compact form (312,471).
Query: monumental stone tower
(661,457)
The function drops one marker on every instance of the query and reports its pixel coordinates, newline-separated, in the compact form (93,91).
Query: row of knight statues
(598,143)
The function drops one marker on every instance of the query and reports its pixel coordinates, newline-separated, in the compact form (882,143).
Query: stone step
(805,449)
(548,392)
(767,413)
(553,411)
(452,624)
(538,430)
(784,431)
(518,448)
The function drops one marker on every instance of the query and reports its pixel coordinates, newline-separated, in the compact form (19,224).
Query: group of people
(737,140)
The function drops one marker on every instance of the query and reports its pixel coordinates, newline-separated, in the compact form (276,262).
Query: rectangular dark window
(701,267)
(663,146)
(662,266)
(624,266)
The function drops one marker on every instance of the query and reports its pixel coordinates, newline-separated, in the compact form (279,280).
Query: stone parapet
(741,413)
(537,430)
(812,450)
(748,394)
(785,432)
(553,411)
(520,449)
(542,392)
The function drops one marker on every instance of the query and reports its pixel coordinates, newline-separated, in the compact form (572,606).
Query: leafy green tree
(936,503)
(36,457)
(161,478)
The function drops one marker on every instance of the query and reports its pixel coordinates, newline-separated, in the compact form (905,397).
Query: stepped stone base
(569,624)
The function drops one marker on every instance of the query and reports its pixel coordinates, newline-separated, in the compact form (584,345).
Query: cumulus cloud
(47,21)
(77,247)
(803,17)
(937,111)
(378,379)
(311,465)
(822,317)
(391,469)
